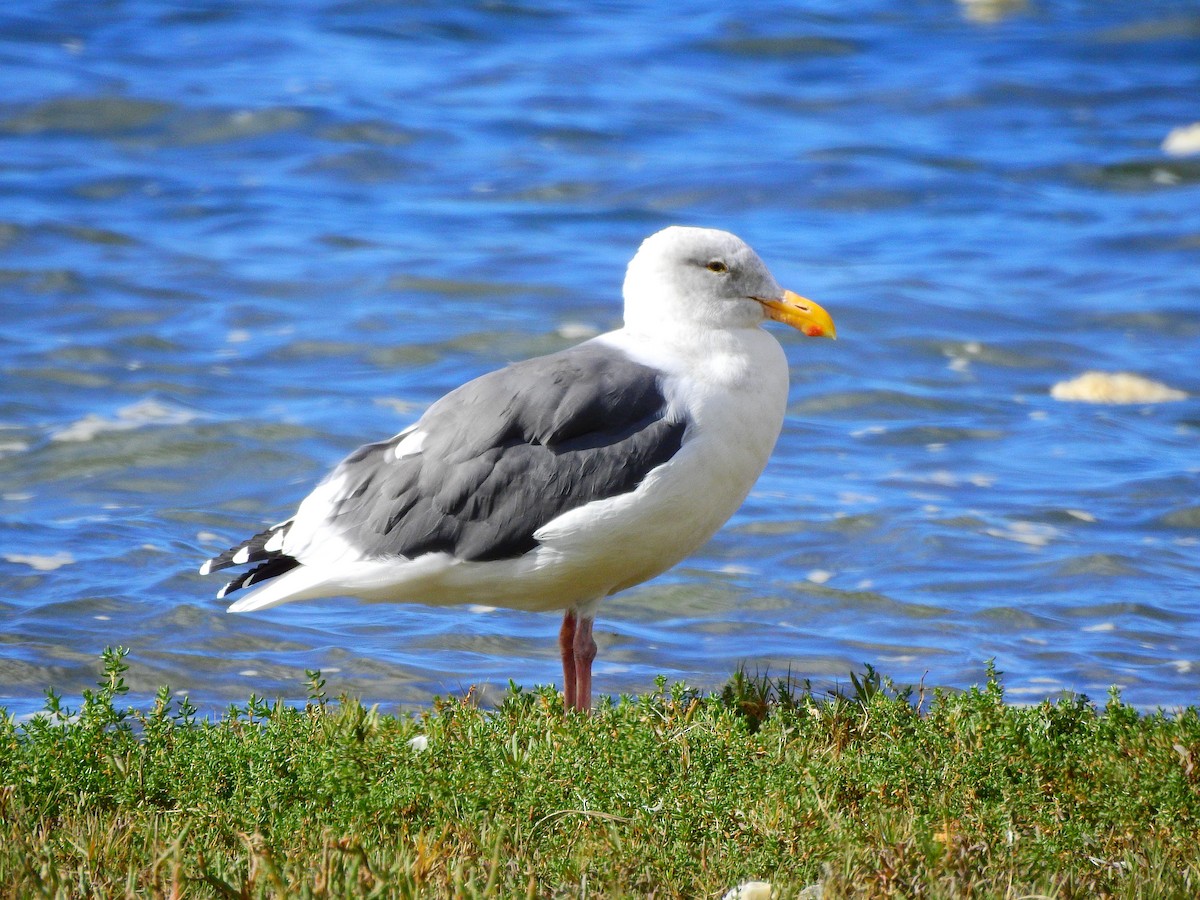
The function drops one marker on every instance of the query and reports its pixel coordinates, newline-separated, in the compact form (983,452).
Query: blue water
(239,239)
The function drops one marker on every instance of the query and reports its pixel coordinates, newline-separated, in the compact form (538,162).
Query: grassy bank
(669,794)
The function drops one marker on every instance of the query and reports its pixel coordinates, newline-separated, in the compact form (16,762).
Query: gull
(558,481)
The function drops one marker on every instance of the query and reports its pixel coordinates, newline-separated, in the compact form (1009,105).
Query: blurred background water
(237,239)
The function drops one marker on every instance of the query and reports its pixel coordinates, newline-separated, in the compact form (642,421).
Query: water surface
(239,239)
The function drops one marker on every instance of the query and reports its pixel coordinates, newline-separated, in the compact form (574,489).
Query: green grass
(671,794)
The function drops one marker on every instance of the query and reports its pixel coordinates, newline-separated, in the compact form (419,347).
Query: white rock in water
(1114,387)
(989,11)
(1182,141)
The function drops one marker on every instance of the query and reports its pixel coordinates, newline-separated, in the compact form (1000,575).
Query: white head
(689,279)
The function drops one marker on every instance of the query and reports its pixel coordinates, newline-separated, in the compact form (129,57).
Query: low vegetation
(876,792)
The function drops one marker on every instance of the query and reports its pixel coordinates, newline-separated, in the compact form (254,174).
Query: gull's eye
(717,266)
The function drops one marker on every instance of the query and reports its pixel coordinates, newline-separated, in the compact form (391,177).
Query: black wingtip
(251,550)
(272,567)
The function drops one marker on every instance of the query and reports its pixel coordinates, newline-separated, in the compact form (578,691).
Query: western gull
(558,481)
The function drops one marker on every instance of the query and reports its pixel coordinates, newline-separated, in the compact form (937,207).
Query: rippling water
(239,239)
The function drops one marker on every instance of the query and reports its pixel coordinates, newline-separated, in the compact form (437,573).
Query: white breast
(732,391)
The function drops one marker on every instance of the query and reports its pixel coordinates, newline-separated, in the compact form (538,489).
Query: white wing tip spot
(275,542)
(411,445)
(206,569)
(242,556)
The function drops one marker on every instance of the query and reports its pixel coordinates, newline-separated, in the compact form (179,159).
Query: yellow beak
(801,313)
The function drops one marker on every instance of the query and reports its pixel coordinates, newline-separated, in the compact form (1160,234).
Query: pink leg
(585,651)
(566,646)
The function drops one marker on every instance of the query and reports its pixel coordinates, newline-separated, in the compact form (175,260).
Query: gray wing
(506,453)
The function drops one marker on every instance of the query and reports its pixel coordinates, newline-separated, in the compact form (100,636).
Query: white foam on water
(41,562)
(127,418)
